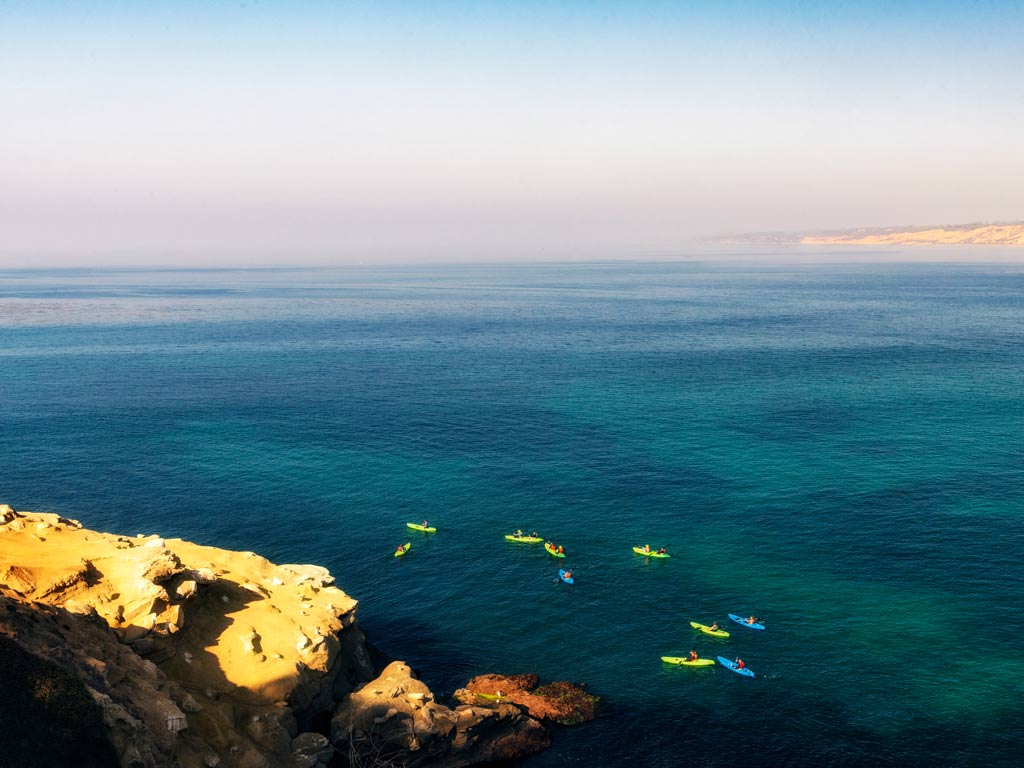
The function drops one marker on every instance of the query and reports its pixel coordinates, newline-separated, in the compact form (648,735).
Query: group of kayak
(521,537)
(737,665)
(692,659)
(555,550)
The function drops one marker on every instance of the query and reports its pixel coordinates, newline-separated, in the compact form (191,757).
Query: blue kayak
(743,622)
(563,577)
(732,665)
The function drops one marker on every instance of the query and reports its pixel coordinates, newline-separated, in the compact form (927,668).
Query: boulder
(312,745)
(186,589)
(314,575)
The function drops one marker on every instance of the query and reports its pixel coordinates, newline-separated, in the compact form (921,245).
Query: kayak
(732,665)
(743,622)
(708,630)
(418,527)
(563,577)
(652,553)
(523,539)
(403,550)
(552,550)
(684,661)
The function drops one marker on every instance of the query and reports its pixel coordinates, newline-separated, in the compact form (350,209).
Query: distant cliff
(199,657)
(968,234)
(1007,234)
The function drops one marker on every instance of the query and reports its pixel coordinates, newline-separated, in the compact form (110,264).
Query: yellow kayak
(650,553)
(684,661)
(524,539)
(708,630)
(418,527)
(552,550)
(403,549)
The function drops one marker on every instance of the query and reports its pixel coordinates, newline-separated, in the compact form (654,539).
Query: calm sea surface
(839,449)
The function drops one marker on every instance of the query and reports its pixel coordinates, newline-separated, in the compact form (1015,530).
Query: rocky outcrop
(560,702)
(395,720)
(195,656)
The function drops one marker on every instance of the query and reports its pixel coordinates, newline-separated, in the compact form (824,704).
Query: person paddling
(714,626)
(693,654)
(424,524)
(740,664)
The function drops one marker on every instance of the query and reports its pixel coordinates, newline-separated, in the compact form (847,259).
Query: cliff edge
(197,656)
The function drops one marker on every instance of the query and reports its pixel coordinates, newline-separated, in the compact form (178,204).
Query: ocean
(836,447)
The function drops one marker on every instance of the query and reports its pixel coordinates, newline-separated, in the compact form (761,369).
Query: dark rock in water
(561,702)
(565,703)
(493,684)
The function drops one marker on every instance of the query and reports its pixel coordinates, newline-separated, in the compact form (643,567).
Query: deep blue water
(837,448)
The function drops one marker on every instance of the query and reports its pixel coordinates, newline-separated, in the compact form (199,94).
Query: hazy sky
(308,131)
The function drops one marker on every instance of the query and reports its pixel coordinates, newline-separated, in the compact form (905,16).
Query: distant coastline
(1008,233)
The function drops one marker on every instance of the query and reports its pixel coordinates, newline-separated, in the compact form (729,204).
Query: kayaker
(424,524)
(519,532)
(534,535)
(752,620)
(740,664)
(568,574)
(561,549)
(661,551)
(647,547)
(693,654)
(714,627)
(400,550)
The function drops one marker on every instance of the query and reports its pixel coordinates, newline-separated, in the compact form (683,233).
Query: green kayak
(424,529)
(524,539)
(403,549)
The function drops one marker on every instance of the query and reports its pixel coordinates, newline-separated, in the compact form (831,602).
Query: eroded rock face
(560,702)
(198,656)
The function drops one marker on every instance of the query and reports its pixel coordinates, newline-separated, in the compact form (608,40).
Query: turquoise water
(836,448)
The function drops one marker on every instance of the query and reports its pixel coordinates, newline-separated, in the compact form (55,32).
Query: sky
(319,132)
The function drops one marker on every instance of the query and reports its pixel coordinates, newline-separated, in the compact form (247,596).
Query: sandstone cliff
(197,656)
